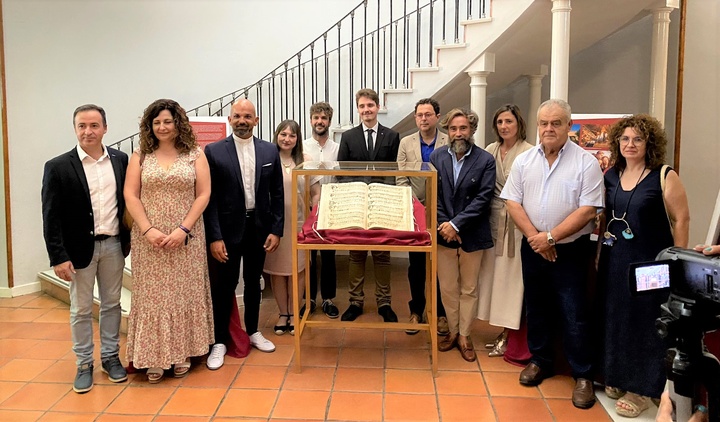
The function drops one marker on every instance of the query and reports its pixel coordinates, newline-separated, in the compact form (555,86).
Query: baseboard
(20,290)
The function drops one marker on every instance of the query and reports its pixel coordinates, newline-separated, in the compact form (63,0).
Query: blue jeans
(556,296)
(107,265)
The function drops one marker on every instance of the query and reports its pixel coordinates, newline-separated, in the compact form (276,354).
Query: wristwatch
(550,239)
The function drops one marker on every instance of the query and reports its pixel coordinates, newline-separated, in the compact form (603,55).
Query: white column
(560,54)
(478,72)
(535,84)
(659,62)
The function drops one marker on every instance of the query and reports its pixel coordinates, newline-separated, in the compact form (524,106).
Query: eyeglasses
(424,115)
(636,140)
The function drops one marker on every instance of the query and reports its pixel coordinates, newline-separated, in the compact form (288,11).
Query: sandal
(614,392)
(181,369)
(290,326)
(280,329)
(635,405)
(155,375)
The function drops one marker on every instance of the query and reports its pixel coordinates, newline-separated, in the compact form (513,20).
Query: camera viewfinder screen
(652,277)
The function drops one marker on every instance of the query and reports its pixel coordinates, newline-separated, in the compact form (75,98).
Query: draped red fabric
(239,346)
(418,237)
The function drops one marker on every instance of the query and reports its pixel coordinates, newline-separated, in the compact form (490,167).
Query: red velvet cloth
(517,352)
(239,346)
(419,237)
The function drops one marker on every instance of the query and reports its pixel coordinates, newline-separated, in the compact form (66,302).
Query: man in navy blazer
(243,221)
(83,206)
(369,141)
(466,180)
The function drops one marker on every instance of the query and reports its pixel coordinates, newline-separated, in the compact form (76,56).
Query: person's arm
(708,249)
(131,192)
(178,236)
(277,206)
(401,160)
(52,195)
(677,207)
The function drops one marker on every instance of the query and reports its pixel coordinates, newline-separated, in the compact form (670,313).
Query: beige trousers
(458,275)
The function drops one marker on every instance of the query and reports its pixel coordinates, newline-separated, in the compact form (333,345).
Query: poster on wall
(209,129)
(591,131)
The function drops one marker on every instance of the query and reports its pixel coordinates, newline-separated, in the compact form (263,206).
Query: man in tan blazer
(416,148)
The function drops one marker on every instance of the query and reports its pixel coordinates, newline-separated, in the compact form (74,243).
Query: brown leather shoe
(584,394)
(466,349)
(448,342)
(533,375)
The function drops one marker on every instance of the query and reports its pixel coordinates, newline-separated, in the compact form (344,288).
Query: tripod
(691,370)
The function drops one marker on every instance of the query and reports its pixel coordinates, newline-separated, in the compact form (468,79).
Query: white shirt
(550,194)
(374,134)
(103,192)
(327,153)
(246,158)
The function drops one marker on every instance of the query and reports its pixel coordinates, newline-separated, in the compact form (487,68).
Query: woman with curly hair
(646,210)
(166,191)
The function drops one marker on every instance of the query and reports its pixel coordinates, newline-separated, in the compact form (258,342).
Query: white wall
(122,55)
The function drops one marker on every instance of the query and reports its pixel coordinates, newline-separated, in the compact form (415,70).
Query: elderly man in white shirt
(321,148)
(553,194)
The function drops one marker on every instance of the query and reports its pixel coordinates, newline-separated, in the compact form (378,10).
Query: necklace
(627,233)
(287,167)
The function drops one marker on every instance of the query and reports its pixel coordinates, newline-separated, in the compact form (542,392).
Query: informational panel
(209,129)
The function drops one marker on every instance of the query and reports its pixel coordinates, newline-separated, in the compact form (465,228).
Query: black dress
(634,352)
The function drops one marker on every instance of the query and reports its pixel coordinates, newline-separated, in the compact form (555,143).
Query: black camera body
(692,309)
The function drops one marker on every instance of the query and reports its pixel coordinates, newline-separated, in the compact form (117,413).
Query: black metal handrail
(335,75)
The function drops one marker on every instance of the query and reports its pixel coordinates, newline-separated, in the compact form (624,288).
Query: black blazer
(466,204)
(225,214)
(353,145)
(68,223)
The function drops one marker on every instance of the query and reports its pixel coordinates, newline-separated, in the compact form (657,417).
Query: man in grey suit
(415,149)
(83,206)
(369,141)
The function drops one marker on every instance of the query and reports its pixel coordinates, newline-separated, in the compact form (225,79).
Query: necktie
(370,141)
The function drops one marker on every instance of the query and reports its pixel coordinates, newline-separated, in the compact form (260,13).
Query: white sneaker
(261,343)
(216,358)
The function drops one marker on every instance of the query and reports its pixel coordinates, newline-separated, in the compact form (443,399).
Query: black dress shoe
(331,311)
(353,311)
(387,313)
(533,375)
(312,308)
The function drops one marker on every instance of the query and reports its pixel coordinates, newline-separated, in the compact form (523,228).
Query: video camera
(693,308)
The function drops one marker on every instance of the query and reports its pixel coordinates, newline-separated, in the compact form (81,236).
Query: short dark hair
(470,115)
(297,151)
(369,93)
(650,129)
(90,107)
(430,101)
(322,107)
(515,110)
(185,140)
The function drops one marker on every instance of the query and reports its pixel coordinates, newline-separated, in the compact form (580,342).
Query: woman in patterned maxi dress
(167,190)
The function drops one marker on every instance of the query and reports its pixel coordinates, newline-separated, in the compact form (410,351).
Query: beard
(460,146)
(243,131)
(320,130)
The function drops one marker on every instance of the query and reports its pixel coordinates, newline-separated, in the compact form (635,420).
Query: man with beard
(416,148)
(243,221)
(369,141)
(553,194)
(320,148)
(466,181)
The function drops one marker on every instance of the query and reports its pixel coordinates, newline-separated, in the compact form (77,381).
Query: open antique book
(356,205)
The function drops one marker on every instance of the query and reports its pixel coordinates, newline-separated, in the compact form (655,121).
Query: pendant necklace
(287,167)
(627,233)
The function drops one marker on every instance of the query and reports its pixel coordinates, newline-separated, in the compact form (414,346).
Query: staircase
(407,50)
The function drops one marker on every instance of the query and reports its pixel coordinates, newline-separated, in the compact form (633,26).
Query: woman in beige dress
(278,264)
(166,191)
(500,289)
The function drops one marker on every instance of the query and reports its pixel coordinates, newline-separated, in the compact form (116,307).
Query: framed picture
(591,131)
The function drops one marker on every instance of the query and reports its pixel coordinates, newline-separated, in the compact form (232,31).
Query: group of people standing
(514,225)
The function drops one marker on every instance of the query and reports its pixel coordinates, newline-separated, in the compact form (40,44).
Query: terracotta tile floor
(351,374)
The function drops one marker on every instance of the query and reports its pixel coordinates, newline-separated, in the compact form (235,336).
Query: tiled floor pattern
(348,375)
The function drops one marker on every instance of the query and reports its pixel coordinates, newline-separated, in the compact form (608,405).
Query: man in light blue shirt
(553,194)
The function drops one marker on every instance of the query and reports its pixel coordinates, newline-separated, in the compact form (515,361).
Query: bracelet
(185,229)
(149,228)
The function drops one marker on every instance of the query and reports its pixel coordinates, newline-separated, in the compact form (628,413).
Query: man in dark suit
(83,206)
(243,222)
(466,181)
(369,141)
